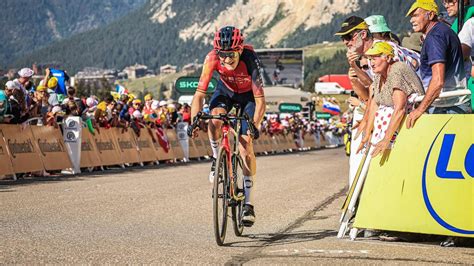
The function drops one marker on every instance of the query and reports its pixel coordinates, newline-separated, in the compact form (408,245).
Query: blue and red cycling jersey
(244,78)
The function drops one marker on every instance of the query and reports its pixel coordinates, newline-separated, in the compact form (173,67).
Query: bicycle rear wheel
(237,164)
(220,196)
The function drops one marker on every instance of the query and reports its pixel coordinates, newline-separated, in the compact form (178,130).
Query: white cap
(137,114)
(205,105)
(25,72)
(12,85)
(162,103)
(56,109)
(155,104)
(90,102)
(172,106)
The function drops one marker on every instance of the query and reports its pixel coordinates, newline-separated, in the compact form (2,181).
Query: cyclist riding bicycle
(240,83)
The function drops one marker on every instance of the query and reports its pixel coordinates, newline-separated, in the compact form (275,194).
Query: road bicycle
(228,189)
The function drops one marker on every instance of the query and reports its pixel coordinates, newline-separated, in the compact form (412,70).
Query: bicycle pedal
(247,223)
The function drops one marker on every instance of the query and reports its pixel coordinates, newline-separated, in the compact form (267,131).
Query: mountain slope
(28,25)
(180,31)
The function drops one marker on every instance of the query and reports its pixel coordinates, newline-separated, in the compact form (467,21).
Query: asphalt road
(164,215)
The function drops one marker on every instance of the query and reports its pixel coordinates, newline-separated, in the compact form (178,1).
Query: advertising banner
(145,146)
(6,167)
(51,147)
(89,153)
(425,184)
(175,146)
(25,156)
(107,148)
(127,145)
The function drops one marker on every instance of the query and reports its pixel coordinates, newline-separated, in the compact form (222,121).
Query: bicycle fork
(234,197)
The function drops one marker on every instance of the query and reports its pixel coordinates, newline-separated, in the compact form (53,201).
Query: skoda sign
(188,85)
(290,107)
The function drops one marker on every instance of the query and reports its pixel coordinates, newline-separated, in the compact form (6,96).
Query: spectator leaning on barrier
(38,103)
(358,39)
(71,97)
(441,63)
(395,85)
(147,110)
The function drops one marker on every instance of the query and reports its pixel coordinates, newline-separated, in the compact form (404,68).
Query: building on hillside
(191,68)
(168,69)
(136,71)
(93,74)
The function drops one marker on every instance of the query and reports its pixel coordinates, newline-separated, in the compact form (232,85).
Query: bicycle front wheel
(237,164)
(220,196)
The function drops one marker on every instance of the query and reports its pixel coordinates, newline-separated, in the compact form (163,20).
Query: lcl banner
(425,184)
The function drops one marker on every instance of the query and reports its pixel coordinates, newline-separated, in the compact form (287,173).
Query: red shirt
(244,78)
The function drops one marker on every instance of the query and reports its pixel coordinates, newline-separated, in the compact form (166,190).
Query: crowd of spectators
(387,75)
(44,104)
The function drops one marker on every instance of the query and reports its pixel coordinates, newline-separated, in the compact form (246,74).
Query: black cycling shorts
(225,98)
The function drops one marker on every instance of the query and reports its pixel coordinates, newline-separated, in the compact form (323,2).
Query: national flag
(331,108)
(121,89)
(163,139)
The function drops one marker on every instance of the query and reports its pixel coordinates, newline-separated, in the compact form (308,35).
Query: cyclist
(240,83)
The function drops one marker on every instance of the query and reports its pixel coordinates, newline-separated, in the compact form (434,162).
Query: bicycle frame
(225,144)
(226,129)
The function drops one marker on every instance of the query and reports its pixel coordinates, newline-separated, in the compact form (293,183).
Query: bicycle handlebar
(224,117)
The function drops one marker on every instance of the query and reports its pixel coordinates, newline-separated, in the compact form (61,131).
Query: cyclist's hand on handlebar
(253,131)
(194,133)
(194,128)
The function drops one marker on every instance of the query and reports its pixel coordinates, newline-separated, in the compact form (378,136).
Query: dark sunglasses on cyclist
(225,54)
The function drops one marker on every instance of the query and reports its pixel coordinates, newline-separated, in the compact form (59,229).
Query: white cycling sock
(248,185)
(215,147)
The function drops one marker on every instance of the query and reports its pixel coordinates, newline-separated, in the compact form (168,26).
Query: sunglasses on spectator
(449,3)
(229,54)
(350,36)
